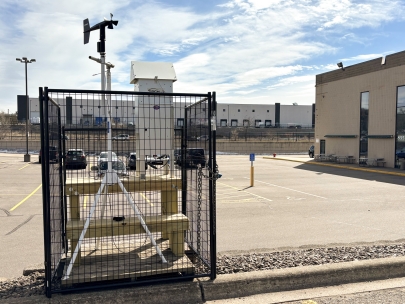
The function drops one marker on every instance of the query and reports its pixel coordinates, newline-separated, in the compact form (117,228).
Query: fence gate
(128,187)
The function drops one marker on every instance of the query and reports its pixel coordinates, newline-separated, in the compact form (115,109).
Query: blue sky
(248,51)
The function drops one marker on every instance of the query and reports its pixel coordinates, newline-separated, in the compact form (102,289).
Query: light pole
(27,157)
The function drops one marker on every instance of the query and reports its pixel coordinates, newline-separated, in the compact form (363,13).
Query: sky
(247,51)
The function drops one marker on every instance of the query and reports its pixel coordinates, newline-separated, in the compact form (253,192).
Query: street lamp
(27,157)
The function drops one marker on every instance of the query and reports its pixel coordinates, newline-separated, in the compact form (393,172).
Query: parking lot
(292,204)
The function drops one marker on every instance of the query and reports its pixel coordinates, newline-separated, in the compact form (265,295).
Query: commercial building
(265,115)
(228,115)
(360,110)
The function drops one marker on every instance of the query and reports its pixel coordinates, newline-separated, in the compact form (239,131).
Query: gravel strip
(306,257)
(24,286)
(33,284)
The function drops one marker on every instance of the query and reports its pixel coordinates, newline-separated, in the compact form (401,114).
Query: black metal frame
(56,203)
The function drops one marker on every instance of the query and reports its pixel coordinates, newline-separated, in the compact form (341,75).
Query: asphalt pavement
(295,203)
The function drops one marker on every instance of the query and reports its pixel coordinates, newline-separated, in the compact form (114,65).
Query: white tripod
(110,178)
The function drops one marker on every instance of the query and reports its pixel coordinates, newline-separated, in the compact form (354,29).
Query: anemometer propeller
(99,26)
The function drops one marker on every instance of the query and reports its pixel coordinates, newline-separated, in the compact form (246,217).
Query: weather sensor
(99,26)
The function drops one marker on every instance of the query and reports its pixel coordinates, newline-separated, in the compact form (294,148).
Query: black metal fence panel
(199,170)
(128,199)
(52,181)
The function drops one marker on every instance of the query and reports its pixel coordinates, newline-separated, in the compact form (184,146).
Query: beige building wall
(337,107)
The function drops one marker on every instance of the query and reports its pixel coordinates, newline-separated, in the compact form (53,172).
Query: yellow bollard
(252,175)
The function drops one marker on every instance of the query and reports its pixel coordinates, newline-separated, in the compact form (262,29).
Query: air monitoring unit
(153,113)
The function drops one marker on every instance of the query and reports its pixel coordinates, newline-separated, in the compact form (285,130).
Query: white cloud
(240,48)
(363,57)
(289,81)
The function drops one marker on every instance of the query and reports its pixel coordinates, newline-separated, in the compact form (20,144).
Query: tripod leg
(103,205)
(86,225)
(145,227)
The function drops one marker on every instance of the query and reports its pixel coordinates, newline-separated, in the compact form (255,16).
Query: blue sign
(252,157)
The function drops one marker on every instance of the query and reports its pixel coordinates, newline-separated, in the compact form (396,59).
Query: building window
(400,123)
(180,122)
(223,123)
(238,110)
(246,123)
(253,110)
(322,148)
(267,123)
(364,124)
(234,122)
(257,123)
(223,110)
(268,111)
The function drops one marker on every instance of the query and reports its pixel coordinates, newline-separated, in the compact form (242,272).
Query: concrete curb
(252,283)
(337,166)
(166,293)
(33,268)
(229,286)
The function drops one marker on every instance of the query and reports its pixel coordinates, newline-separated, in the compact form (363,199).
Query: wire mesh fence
(127,198)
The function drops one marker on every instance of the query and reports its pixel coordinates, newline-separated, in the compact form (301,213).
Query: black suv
(194,157)
(76,158)
(53,154)
(311,151)
(132,161)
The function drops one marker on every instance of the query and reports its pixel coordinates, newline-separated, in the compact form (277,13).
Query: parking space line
(306,193)
(258,196)
(24,166)
(146,199)
(31,194)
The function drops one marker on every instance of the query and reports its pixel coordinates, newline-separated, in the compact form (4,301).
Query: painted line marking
(146,199)
(85,201)
(25,166)
(31,194)
(258,196)
(288,189)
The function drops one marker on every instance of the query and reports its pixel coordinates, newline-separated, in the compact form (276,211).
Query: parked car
(76,158)
(191,138)
(194,157)
(104,157)
(118,167)
(311,151)
(132,161)
(53,154)
(400,153)
(152,161)
(54,136)
(203,138)
(157,160)
(121,137)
